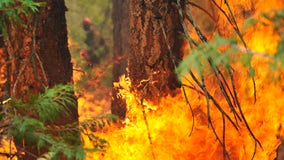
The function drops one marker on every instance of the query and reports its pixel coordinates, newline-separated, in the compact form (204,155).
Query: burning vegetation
(230,98)
(199,80)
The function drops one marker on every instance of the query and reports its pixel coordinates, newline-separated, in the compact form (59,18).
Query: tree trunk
(120,51)
(155,48)
(4,78)
(40,58)
(140,32)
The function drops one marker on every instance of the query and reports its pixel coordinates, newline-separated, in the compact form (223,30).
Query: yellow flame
(170,121)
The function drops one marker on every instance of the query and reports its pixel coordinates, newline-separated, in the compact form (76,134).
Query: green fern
(55,100)
(32,121)
(36,127)
(198,59)
(47,106)
(98,123)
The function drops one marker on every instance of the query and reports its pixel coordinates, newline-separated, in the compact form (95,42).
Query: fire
(170,123)
(162,131)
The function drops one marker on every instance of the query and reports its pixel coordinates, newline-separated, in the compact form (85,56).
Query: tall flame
(162,131)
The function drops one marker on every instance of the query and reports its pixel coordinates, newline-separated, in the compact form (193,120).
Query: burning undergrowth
(228,106)
(170,122)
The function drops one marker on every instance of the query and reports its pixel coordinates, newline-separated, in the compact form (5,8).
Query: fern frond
(98,123)
(25,128)
(54,101)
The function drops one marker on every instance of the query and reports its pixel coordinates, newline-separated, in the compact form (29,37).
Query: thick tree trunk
(120,51)
(40,58)
(140,32)
(154,28)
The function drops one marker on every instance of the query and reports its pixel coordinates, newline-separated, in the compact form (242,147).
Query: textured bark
(140,45)
(40,57)
(120,51)
(151,65)
(4,72)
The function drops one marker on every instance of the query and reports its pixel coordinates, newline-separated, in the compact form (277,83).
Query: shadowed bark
(4,72)
(120,51)
(40,58)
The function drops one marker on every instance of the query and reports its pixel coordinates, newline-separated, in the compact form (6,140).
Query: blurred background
(90,42)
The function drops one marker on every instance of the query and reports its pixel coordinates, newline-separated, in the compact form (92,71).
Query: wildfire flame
(162,131)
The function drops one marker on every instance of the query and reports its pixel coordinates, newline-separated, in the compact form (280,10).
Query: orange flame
(170,122)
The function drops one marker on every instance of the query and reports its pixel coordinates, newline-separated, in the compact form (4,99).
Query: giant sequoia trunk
(40,58)
(154,47)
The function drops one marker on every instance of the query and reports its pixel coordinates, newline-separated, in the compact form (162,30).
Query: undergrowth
(32,122)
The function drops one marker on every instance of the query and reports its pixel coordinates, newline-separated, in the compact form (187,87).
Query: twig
(6,63)
(191,110)
(19,74)
(6,124)
(43,71)
(30,59)
(234,24)
(224,137)
(145,119)
(224,92)
(8,155)
(222,84)
(190,40)
(215,68)
(243,41)
(254,151)
(37,56)
(79,70)
(218,106)
(171,55)
(208,96)
(204,39)
(224,13)
(202,9)
(195,26)
(25,151)
(193,88)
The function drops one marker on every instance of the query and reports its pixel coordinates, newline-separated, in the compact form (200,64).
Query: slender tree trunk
(40,58)
(155,48)
(120,51)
